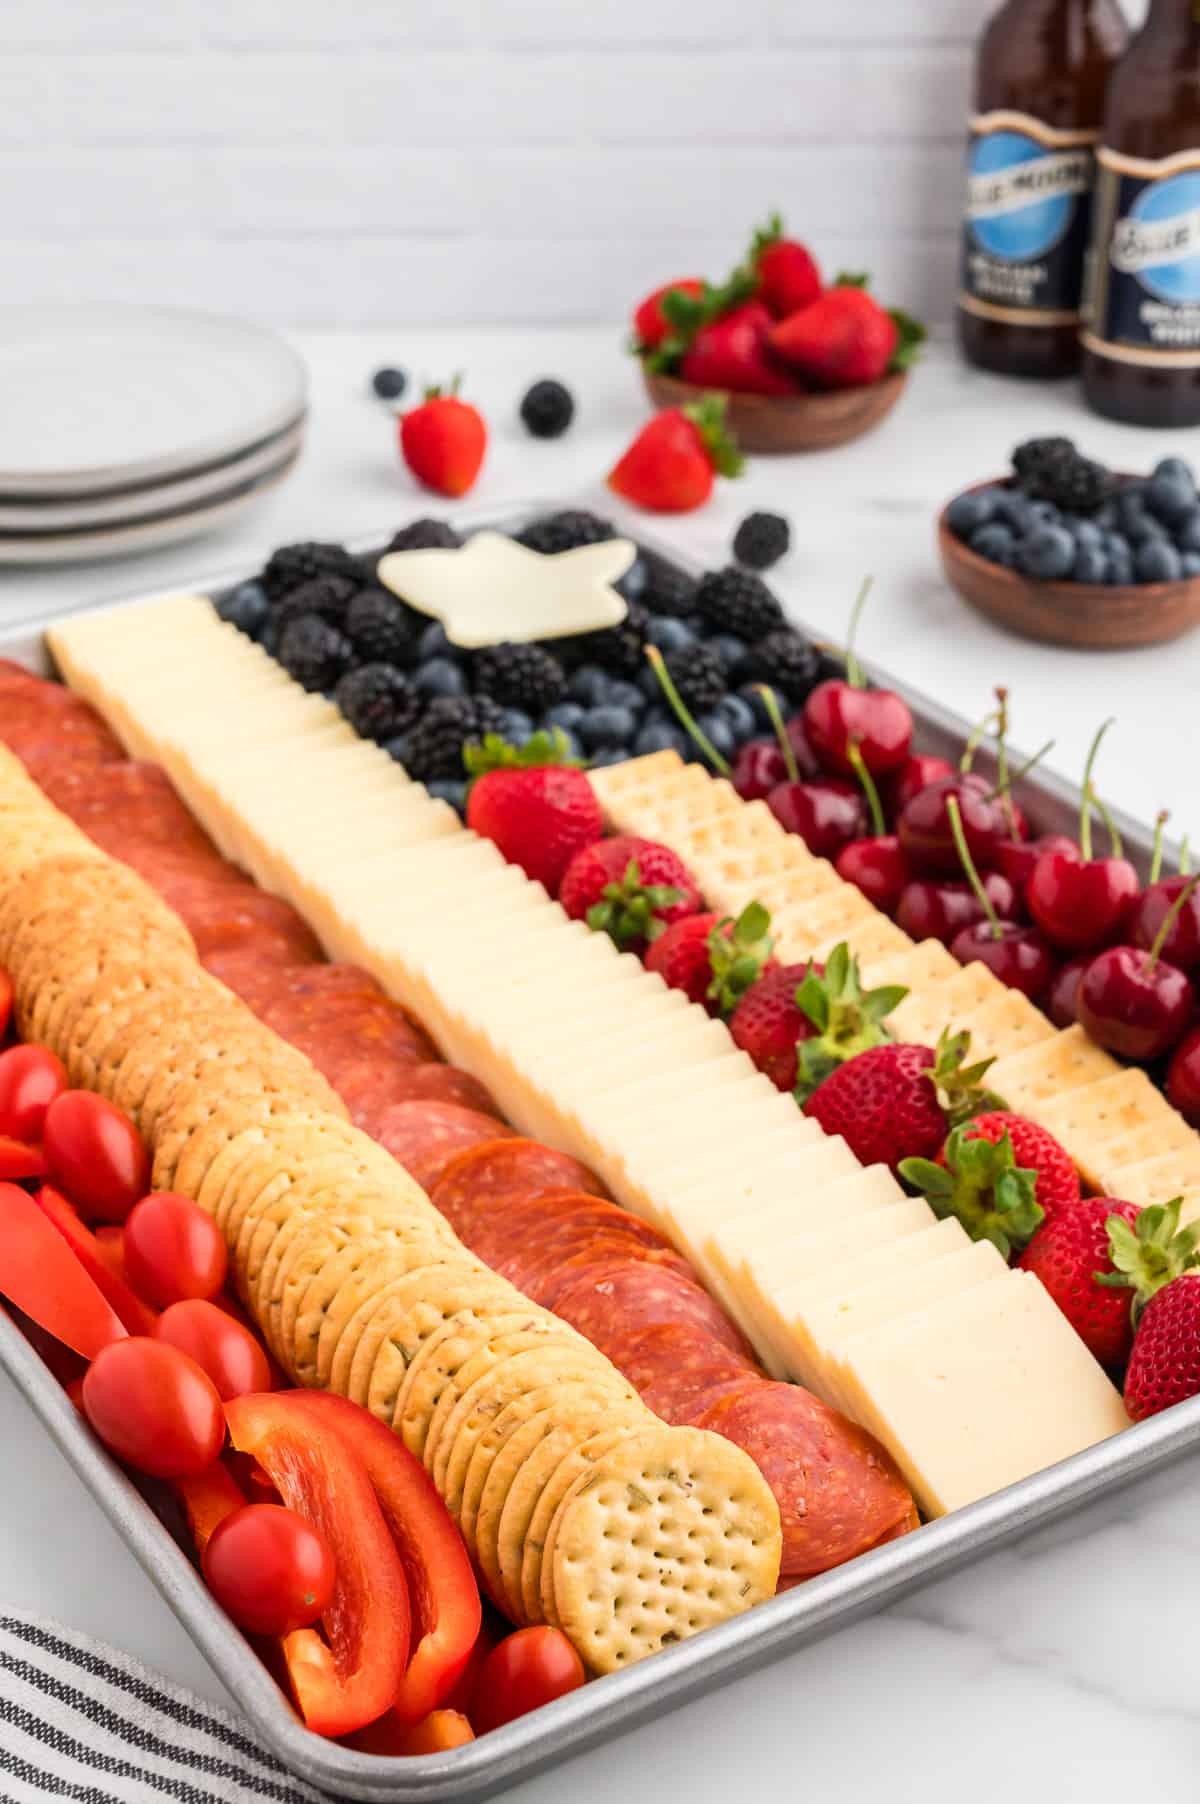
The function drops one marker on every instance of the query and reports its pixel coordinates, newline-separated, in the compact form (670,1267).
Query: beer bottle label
(1028,219)
(1143,300)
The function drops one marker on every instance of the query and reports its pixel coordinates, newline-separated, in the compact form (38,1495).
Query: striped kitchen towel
(81,1721)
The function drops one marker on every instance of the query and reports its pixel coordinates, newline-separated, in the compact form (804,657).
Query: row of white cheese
(965,1370)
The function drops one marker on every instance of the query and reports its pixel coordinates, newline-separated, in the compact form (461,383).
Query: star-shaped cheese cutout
(492,589)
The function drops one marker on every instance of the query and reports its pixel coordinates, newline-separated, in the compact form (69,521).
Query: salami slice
(838,1491)
(570,1220)
(425,1136)
(127,804)
(478,1181)
(608,1306)
(361,1025)
(551,1275)
(434,1082)
(222,915)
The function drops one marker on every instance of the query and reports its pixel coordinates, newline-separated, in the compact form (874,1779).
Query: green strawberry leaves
(496,753)
(908,345)
(738,951)
(959,1087)
(1149,1252)
(981,1183)
(688,314)
(850,278)
(708,417)
(848,1019)
(764,237)
(628,909)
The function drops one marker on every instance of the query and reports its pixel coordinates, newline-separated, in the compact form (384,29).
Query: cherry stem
(1003,784)
(682,714)
(774,715)
(1023,770)
(975,739)
(968,865)
(1160,821)
(1110,826)
(854,753)
(1089,794)
(854,672)
(1169,919)
(1185,856)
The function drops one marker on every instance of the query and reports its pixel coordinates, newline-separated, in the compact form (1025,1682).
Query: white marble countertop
(1061,1665)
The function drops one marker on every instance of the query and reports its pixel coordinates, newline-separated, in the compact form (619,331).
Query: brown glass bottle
(1041,72)
(1142,333)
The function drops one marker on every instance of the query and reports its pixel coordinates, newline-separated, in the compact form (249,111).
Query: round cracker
(580,1460)
(333,1294)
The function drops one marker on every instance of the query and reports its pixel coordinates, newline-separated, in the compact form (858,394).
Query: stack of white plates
(126,428)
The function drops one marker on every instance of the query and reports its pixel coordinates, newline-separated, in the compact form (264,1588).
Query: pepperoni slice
(608,1305)
(569,1221)
(222,915)
(431,1081)
(128,804)
(838,1491)
(480,1180)
(680,1372)
(353,1026)
(425,1136)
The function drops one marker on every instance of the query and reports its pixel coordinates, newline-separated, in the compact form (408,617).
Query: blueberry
(439,676)
(995,542)
(607,725)
(1130,506)
(1047,554)
(740,716)
(590,685)
(729,648)
(660,736)
(1157,562)
(1044,513)
(1170,500)
(1191,563)
(668,634)
(398,748)
(1085,532)
(433,643)
(1117,545)
(1144,527)
(246,607)
(697,625)
(1120,568)
(1187,533)
(608,754)
(626,695)
(1105,516)
(633,584)
(718,731)
(449,789)
(1013,509)
(967,513)
(1091,565)
(751,694)
(1176,469)
(564,714)
(389,384)
(518,727)
(649,684)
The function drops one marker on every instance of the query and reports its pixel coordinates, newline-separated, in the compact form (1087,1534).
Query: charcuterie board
(221,784)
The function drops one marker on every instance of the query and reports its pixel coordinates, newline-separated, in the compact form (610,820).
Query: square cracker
(1067,1062)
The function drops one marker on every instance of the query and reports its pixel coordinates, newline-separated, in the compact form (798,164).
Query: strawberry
(532,803)
(897,1102)
(1070,1254)
(978,1179)
(734,352)
(650,323)
(846,339)
(788,277)
(714,959)
(799,1022)
(1033,1150)
(443,441)
(629,888)
(670,464)
(769,1024)
(1164,1367)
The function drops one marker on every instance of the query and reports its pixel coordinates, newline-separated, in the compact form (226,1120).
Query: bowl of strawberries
(805,365)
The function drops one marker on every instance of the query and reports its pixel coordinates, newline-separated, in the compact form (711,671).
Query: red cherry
(1181,943)
(925,831)
(1080,903)
(1018,956)
(1183,1078)
(918,771)
(807,762)
(1063,1004)
(939,911)
(1134,1003)
(826,815)
(877,866)
(837,716)
(758,768)
(1017,857)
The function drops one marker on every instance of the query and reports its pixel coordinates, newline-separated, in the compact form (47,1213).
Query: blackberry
(382,629)
(292,565)
(1051,469)
(565,531)
(520,676)
(435,744)
(389,384)
(699,676)
(787,661)
(761,540)
(329,597)
(314,652)
(548,409)
(619,648)
(669,590)
(737,601)
(378,701)
(424,535)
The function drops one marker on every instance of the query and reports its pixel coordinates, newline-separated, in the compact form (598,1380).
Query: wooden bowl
(1100,616)
(780,423)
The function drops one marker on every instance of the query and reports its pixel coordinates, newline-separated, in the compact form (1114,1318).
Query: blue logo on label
(1021,197)
(1159,239)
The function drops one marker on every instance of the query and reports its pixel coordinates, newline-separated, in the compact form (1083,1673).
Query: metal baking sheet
(607,1706)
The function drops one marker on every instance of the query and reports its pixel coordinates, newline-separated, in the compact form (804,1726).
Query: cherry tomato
(154,1408)
(527,1669)
(30,1080)
(269,1569)
(95,1154)
(219,1345)
(173,1250)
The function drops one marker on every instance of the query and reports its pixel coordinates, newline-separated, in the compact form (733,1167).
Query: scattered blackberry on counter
(565,531)
(389,384)
(434,747)
(698,675)
(669,590)
(737,601)
(378,701)
(314,652)
(382,629)
(761,540)
(548,409)
(424,535)
(329,597)
(520,676)
(618,649)
(292,565)
(787,661)
(246,607)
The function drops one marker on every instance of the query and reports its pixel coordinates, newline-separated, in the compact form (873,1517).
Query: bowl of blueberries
(1069,552)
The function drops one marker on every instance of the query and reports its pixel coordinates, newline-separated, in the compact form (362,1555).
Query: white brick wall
(352,161)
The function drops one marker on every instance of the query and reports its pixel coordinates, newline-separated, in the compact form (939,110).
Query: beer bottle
(1040,77)
(1142,330)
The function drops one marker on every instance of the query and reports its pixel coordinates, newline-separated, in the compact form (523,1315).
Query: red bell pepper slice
(207,1499)
(445,1596)
(42,1276)
(350,1677)
(137,1316)
(19,1161)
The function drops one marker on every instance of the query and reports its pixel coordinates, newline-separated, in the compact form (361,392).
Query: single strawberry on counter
(899,1102)
(443,441)
(800,1022)
(1034,1149)
(670,466)
(650,323)
(845,339)
(630,888)
(533,803)
(980,1182)
(714,959)
(788,277)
